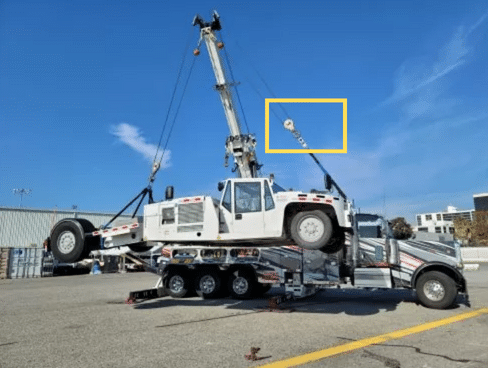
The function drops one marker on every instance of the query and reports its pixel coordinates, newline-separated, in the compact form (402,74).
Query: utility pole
(21,192)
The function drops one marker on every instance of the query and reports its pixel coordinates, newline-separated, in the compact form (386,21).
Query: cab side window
(226,199)
(268,198)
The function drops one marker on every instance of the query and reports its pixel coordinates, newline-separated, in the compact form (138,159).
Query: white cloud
(131,136)
(415,74)
(478,23)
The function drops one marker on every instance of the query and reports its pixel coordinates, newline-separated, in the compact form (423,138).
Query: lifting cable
(148,189)
(233,83)
(270,91)
(177,110)
(258,92)
(173,95)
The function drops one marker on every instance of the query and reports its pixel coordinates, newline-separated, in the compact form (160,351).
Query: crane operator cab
(248,208)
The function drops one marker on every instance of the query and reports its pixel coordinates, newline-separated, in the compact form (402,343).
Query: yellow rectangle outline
(307,100)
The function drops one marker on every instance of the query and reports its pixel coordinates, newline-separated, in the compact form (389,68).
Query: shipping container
(25,262)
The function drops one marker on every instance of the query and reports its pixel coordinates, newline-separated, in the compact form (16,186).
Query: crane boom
(239,145)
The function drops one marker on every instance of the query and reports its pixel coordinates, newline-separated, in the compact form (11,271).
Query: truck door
(248,214)
(226,211)
(273,224)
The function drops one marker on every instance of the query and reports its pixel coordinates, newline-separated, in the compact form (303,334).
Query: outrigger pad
(144,295)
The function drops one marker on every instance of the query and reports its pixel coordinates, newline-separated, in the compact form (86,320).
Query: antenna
(22,192)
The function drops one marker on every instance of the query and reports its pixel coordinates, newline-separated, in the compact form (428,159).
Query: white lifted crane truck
(253,211)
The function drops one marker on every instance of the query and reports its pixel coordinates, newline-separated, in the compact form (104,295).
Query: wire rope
(229,66)
(177,110)
(263,81)
(173,95)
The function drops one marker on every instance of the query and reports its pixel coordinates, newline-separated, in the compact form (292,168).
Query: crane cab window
(268,198)
(226,201)
(247,197)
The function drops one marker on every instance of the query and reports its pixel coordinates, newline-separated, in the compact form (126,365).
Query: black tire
(335,245)
(208,284)
(242,284)
(262,289)
(436,290)
(178,284)
(68,241)
(91,242)
(139,247)
(307,223)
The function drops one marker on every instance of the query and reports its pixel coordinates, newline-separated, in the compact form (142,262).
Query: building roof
(56,210)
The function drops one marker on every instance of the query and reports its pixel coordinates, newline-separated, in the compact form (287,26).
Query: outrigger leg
(158,291)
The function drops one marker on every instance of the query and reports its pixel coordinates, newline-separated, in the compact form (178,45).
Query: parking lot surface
(82,321)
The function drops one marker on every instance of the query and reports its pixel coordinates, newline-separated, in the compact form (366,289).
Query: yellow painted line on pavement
(321,354)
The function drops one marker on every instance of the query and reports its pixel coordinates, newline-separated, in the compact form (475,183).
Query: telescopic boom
(239,145)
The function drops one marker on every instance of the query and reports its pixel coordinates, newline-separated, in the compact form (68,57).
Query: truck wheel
(138,247)
(311,229)
(177,284)
(207,284)
(91,242)
(436,290)
(262,289)
(242,284)
(68,241)
(334,245)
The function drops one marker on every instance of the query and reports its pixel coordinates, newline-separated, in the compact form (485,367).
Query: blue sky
(85,87)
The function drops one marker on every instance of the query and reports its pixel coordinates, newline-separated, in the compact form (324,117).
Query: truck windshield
(276,188)
(373,226)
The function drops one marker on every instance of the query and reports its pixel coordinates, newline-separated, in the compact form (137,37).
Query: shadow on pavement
(328,301)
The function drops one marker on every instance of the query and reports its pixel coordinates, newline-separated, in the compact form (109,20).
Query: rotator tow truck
(259,234)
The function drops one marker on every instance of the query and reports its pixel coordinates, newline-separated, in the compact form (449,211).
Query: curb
(471,267)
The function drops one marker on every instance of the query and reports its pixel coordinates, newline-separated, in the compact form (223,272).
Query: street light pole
(22,192)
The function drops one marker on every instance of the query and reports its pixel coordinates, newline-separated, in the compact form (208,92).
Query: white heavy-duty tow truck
(259,234)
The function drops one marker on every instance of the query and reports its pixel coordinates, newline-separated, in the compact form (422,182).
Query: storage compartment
(372,277)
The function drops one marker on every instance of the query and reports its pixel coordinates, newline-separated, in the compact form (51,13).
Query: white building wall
(23,227)
(440,222)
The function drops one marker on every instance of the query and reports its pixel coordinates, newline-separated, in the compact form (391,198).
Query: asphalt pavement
(82,321)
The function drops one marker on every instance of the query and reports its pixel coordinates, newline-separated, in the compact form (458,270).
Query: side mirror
(169,193)
(328,182)
(220,186)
